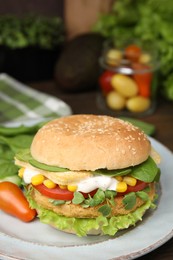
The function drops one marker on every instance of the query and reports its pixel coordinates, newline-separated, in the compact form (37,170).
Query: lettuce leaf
(81,226)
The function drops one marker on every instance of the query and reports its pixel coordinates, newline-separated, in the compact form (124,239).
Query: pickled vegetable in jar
(128,81)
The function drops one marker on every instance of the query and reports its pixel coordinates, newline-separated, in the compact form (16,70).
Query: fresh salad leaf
(17,142)
(113,173)
(18,130)
(13,178)
(146,171)
(23,155)
(14,140)
(57,202)
(129,200)
(105,210)
(143,195)
(7,169)
(47,167)
(78,198)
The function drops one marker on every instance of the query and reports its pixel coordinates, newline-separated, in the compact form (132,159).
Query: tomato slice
(138,187)
(58,193)
(55,193)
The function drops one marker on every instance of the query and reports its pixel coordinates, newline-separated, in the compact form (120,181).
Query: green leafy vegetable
(15,140)
(46,167)
(98,198)
(24,155)
(18,130)
(78,198)
(143,195)
(57,202)
(112,173)
(13,178)
(31,30)
(147,171)
(105,210)
(129,200)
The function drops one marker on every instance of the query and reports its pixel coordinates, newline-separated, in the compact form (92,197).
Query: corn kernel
(37,179)
(63,187)
(72,188)
(130,180)
(21,172)
(121,186)
(119,178)
(49,184)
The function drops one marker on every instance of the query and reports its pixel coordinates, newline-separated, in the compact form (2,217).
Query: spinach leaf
(112,173)
(23,155)
(22,129)
(46,167)
(7,168)
(146,171)
(17,142)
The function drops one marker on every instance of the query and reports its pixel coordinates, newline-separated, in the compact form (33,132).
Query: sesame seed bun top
(90,142)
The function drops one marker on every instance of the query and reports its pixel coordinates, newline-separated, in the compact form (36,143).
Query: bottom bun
(82,226)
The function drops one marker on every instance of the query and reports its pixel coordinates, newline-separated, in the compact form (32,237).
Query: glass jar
(128,82)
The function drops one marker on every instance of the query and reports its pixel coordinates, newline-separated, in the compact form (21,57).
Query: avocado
(77,68)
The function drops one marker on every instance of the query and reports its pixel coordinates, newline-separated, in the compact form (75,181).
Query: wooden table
(162,118)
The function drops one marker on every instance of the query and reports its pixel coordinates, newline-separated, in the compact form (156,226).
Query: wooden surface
(162,118)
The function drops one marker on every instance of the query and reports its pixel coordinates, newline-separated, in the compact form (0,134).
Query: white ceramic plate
(37,241)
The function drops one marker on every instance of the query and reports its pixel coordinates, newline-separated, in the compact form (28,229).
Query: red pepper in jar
(143,78)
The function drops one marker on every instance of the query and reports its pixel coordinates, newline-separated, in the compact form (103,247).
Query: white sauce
(28,174)
(102,182)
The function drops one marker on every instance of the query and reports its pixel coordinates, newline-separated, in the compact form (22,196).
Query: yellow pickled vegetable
(138,104)
(124,85)
(113,57)
(115,101)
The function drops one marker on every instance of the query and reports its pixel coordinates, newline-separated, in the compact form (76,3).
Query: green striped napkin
(19,102)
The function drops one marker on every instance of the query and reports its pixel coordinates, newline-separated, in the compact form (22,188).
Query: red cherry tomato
(13,202)
(58,193)
(133,52)
(143,79)
(105,80)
